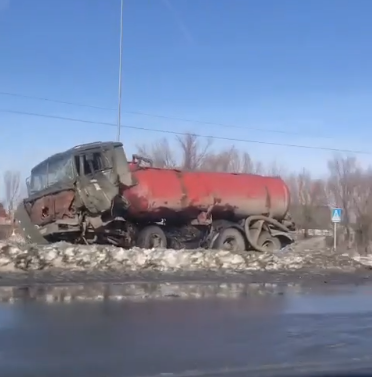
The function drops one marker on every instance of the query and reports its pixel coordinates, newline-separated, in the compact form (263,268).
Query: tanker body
(170,194)
(91,194)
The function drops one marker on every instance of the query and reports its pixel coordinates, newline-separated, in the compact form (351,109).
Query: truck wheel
(269,242)
(230,239)
(151,237)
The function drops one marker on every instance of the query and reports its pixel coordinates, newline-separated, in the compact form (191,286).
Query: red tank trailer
(170,193)
(108,200)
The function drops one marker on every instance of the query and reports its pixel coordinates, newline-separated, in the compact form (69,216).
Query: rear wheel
(151,237)
(230,239)
(270,243)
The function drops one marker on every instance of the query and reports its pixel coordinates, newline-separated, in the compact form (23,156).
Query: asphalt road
(313,330)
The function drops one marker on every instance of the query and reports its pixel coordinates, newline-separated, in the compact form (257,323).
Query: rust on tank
(268,200)
(137,203)
(184,198)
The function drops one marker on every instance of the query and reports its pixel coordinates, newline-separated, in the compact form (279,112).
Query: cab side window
(77,164)
(93,163)
(97,162)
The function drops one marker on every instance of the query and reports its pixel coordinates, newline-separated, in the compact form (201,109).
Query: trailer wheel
(230,239)
(269,242)
(151,237)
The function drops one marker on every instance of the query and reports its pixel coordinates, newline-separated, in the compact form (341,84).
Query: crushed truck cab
(92,194)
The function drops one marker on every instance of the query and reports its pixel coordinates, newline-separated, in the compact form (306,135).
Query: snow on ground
(311,254)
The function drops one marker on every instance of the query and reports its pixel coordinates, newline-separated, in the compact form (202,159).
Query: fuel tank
(174,194)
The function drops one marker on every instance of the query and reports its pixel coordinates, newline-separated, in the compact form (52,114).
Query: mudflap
(27,229)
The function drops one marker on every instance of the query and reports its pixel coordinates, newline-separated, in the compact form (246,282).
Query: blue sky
(302,67)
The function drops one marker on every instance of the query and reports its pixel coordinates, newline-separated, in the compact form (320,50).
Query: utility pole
(120,67)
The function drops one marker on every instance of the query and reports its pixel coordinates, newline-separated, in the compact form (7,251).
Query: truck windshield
(50,172)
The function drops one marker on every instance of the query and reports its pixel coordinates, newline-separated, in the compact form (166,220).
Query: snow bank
(307,254)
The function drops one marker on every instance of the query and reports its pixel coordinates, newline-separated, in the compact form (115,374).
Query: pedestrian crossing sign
(336,215)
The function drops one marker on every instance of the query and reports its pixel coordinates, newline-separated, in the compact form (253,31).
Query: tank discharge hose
(267,220)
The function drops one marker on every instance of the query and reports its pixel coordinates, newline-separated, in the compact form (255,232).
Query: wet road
(273,334)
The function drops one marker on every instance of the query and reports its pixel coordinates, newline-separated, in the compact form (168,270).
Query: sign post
(336,216)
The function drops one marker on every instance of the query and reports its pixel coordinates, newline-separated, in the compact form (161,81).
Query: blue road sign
(336,215)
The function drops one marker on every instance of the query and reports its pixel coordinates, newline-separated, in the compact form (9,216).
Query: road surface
(264,334)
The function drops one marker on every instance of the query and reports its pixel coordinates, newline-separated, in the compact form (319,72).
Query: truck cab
(85,177)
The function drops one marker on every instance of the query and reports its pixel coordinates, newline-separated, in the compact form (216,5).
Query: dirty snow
(311,254)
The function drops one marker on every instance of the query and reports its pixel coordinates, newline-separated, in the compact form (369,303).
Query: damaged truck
(91,194)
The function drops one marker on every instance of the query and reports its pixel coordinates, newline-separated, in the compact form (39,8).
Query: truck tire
(230,239)
(269,242)
(150,237)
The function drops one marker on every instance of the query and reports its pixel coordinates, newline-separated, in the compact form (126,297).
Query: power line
(86,121)
(178,119)
(78,104)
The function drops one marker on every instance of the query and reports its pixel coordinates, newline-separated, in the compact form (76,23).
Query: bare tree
(343,172)
(3,212)
(231,160)
(160,153)
(12,185)
(292,183)
(245,164)
(224,161)
(194,152)
(362,209)
(310,196)
(191,157)
(196,155)
(276,170)
(258,168)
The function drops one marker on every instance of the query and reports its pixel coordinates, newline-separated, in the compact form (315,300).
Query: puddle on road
(177,335)
(331,301)
(137,292)
(294,298)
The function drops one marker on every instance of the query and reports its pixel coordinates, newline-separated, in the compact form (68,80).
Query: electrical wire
(178,119)
(185,133)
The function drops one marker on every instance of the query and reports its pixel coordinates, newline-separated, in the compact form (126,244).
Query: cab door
(97,182)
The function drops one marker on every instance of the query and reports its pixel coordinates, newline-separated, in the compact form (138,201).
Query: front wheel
(230,239)
(151,237)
